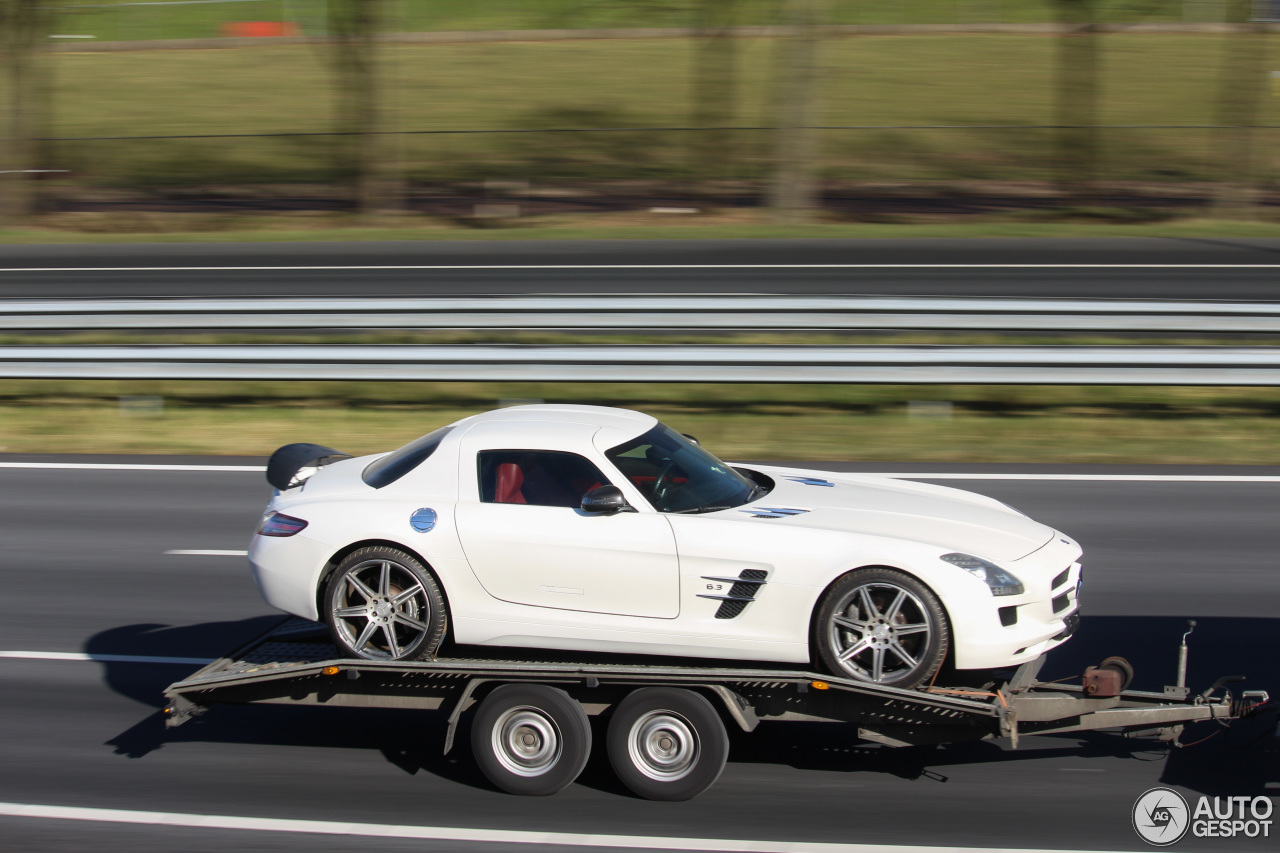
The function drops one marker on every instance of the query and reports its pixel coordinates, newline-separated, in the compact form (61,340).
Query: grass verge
(624,227)
(896,109)
(961,424)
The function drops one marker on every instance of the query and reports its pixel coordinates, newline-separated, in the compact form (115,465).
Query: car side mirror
(691,438)
(605,500)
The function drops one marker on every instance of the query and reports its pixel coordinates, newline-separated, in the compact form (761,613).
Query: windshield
(676,475)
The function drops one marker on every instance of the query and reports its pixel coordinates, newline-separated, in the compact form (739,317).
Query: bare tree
(715,89)
(1076,102)
(24,30)
(355,27)
(793,188)
(1241,84)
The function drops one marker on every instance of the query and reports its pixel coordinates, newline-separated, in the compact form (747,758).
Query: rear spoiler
(292,464)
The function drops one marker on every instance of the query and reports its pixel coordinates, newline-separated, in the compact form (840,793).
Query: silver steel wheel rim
(382,610)
(880,632)
(526,741)
(663,746)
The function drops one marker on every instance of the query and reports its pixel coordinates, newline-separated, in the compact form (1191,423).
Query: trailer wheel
(667,744)
(530,739)
(881,626)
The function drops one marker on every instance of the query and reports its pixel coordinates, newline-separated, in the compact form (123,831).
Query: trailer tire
(666,743)
(530,739)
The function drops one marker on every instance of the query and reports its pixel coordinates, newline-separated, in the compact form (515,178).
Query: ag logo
(1161,816)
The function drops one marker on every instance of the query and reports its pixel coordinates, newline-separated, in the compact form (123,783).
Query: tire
(667,744)
(895,623)
(530,739)
(382,604)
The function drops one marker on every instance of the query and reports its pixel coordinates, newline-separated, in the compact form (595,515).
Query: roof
(605,417)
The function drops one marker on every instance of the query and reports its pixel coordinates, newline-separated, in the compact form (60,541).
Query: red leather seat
(510,479)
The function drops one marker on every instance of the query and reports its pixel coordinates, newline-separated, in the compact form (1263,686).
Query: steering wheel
(663,483)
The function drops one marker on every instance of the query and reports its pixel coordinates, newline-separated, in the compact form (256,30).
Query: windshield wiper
(700,509)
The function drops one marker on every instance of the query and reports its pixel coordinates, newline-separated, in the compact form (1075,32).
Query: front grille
(1061,603)
(1009,615)
(1062,578)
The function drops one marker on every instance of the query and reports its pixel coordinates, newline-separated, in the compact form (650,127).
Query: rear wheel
(667,744)
(382,604)
(881,626)
(530,739)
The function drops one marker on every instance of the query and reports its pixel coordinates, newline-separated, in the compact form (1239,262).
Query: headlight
(1000,581)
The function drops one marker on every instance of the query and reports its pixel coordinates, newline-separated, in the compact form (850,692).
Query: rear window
(393,466)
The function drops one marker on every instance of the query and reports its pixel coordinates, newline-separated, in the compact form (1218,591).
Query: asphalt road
(83,569)
(1121,268)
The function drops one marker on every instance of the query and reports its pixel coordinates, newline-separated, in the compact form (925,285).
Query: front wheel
(382,604)
(881,626)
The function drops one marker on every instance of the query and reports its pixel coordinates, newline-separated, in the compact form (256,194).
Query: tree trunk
(24,27)
(1241,85)
(793,190)
(714,97)
(363,148)
(1076,105)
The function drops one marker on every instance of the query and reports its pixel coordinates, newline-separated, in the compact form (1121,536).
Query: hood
(951,519)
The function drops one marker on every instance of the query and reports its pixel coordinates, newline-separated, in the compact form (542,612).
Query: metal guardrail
(646,312)
(897,365)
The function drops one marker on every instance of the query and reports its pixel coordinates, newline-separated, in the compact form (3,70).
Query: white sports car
(597,529)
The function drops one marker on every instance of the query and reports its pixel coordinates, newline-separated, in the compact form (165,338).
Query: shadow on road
(1239,761)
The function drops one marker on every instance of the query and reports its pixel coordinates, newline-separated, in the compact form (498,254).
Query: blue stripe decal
(773,512)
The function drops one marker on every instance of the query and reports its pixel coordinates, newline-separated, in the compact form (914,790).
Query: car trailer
(666,736)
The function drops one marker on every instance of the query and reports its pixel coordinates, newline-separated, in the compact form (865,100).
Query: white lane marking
(508,267)
(197,553)
(114,466)
(80,656)
(1085,478)
(448,833)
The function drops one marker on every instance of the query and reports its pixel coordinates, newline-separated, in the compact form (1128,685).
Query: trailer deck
(294,663)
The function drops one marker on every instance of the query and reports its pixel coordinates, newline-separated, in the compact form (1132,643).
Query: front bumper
(1017,629)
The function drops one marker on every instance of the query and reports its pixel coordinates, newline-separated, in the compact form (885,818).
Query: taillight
(279,524)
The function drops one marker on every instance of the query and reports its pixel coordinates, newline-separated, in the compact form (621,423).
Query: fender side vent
(743,592)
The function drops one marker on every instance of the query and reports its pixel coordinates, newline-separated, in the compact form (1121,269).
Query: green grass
(139,22)
(251,230)
(899,80)
(990,424)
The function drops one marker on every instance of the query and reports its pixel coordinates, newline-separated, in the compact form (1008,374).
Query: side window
(537,477)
